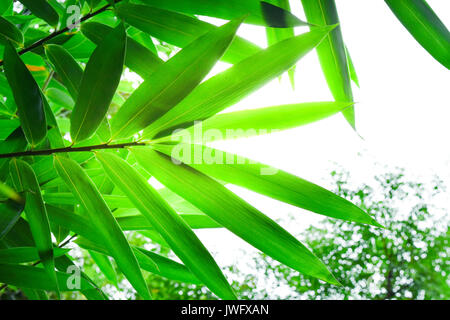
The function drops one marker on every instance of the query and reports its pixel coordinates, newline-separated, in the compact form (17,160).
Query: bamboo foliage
(79,143)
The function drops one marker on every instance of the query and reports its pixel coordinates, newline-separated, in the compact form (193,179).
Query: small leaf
(425,26)
(66,67)
(10,32)
(10,214)
(25,181)
(27,95)
(37,278)
(102,219)
(171,82)
(105,266)
(232,212)
(98,85)
(42,9)
(18,255)
(172,228)
(137,57)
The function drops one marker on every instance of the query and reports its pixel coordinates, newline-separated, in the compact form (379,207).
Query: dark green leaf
(98,85)
(27,96)
(425,26)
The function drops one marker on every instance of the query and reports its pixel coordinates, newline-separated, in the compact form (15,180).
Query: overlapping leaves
(72,92)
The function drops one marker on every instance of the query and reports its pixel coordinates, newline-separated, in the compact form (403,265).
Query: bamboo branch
(70,149)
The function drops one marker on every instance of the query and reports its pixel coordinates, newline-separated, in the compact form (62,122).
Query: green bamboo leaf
(25,254)
(172,228)
(27,95)
(179,29)
(66,67)
(10,193)
(25,181)
(266,180)
(10,32)
(331,52)
(137,57)
(352,70)
(233,213)
(275,35)
(105,266)
(260,12)
(63,264)
(425,26)
(172,82)
(101,217)
(37,278)
(10,214)
(247,123)
(43,10)
(7,127)
(98,85)
(5,5)
(139,222)
(230,86)
(92,240)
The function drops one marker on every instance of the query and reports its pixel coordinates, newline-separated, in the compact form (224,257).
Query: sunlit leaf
(98,85)
(171,82)
(101,217)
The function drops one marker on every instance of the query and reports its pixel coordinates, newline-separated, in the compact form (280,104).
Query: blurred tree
(407,260)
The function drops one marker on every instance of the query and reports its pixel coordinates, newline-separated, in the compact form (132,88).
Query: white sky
(403,114)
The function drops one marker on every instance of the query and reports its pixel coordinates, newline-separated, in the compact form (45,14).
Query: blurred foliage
(409,259)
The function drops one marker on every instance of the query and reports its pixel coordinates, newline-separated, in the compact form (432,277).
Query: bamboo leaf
(260,12)
(179,29)
(172,228)
(27,95)
(66,67)
(105,266)
(10,32)
(25,181)
(233,213)
(137,57)
(37,278)
(10,214)
(18,255)
(166,268)
(425,26)
(173,81)
(331,52)
(102,219)
(230,86)
(10,193)
(42,9)
(98,85)
(247,123)
(266,180)
(275,35)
